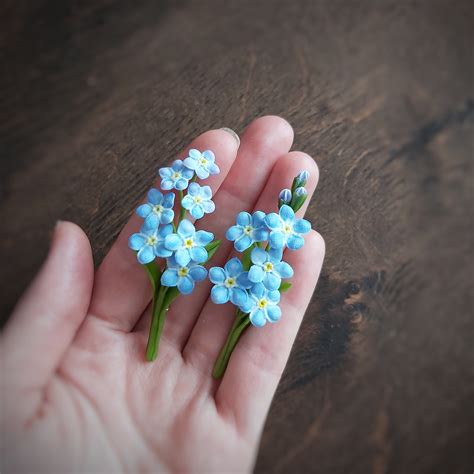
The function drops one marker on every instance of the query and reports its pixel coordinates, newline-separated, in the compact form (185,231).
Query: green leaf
(246,260)
(212,248)
(285,286)
(154,273)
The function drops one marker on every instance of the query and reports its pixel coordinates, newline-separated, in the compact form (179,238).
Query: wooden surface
(95,96)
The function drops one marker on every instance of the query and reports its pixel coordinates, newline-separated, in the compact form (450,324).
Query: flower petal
(181,184)
(271,281)
(287,213)
(238,296)
(209,155)
(136,241)
(202,237)
(257,318)
(198,254)
(258,255)
(191,163)
(182,257)
(295,242)
(198,273)
(273,313)
(186,228)
(193,153)
(273,220)
(146,255)
(167,184)
(165,172)
(177,165)
(165,230)
(243,243)
(243,280)
(217,275)
(260,235)
(187,202)
(194,189)
(208,206)
(284,269)
(258,290)
(277,240)
(187,173)
(244,218)
(186,285)
(220,294)
(275,255)
(167,216)
(197,211)
(162,251)
(168,200)
(301,226)
(206,192)
(173,241)
(154,196)
(256,274)
(233,267)
(169,277)
(234,232)
(258,218)
(274,296)
(202,172)
(143,210)
(152,221)
(213,168)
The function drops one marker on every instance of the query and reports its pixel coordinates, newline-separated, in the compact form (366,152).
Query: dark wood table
(95,95)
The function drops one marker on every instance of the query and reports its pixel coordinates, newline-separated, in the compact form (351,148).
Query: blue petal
(273,220)
(198,254)
(191,163)
(275,255)
(208,206)
(152,221)
(234,232)
(177,165)
(154,196)
(187,173)
(295,242)
(277,240)
(169,277)
(162,251)
(167,184)
(168,200)
(180,184)
(143,210)
(233,267)
(271,281)
(260,235)
(287,213)
(186,285)
(193,189)
(165,230)
(209,155)
(206,192)
(274,296)
(186,228)
(258,290)
(182,257)
(273,313)
(220,294)
(284,269)
(217,275)
(213,168)
(244,218)
(173,241)
(258,255)
(243,243)
(258,218)
(202,172)
(238,296)
(202,237)
(247,306)
(198,273)
(256,274)
(302,226)
(146,255)
(187,202)
(197,211)
(257,318)
(165,172)
(243,280)
(167,216)
(193,153)
(136,241)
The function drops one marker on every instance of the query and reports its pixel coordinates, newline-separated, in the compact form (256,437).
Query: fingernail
(230,131)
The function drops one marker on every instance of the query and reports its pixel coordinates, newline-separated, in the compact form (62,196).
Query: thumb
(48,315)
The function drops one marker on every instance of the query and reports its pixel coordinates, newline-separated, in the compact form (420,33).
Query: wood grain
(96,95)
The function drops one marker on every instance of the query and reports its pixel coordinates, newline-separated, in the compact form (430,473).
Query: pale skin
(77,393)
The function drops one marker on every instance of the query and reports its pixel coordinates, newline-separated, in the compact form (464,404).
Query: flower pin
(254,283)
(168,245)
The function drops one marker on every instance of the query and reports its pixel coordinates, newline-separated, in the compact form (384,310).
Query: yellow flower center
(230,282)
(268,267)
(188,243)
(287,228)
(176,175)
(151,240)
(203,161)
(158,208)
(183,271)
(248,229)
(198,199)
(262,303)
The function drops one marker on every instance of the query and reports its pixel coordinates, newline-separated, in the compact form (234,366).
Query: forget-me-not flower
(198,200)
(262,305)
(187,244)
(230,283)
(183,276)
(158,210)
(248,230)
(285,229)
(176,176)
(202,163)
(268,268)
(149,243)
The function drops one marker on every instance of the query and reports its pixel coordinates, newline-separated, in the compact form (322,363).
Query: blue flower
(175,177)
(202,163)
(301,178)
(158,210)
(188,244)
(183,276)
(285,196)
(268,268)
(285,229)
(248,230)
(262,305)
(198,200)
(230,283)
(149,243)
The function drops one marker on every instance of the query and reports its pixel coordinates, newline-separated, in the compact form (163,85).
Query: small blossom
(302,178)
(198,200)
(248,230)
(176,176)
(149,243)
(301,192)
(183,276)
(285,229)
(158,210)
(188,244)
(202,163)
(262,305)
(285,196)
(230,283)
(268,268)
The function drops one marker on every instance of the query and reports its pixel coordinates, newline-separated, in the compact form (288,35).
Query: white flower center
(183,271)
(176,175)
(262,303)
(189,243)
(248,229)
(158,208)
(230,282)
(198,199)
(151,240)
(287,228)
(203,161)
(268,266)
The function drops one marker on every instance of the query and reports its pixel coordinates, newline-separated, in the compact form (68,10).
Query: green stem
(241,322)
(182,210)
(157,323)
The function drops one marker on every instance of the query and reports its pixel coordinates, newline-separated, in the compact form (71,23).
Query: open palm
(77,393)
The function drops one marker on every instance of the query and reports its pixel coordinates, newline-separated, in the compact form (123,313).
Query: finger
(122,289)
(215,321)
(262,143)
(260,356)
(48,315)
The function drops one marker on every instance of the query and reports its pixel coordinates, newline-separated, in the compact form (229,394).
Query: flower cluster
(254,284)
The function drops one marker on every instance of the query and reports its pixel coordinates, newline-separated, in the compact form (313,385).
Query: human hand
(78,395)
